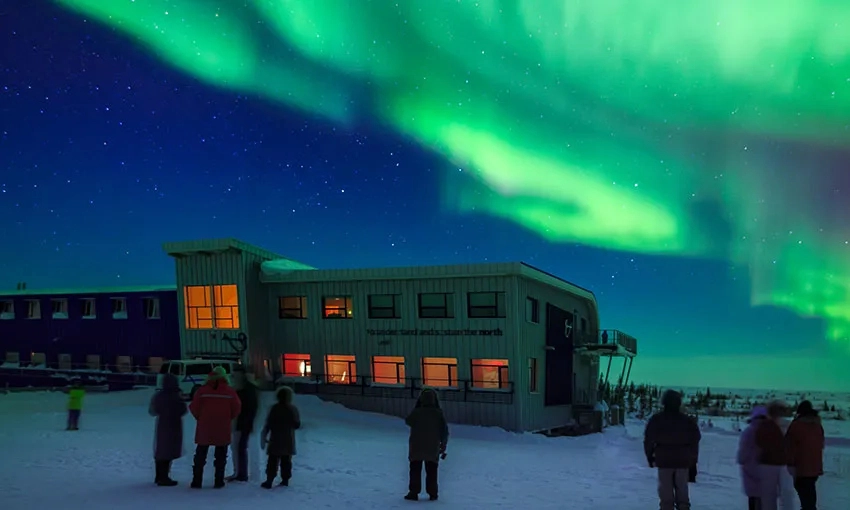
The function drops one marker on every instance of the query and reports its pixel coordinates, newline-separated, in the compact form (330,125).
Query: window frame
(503,374)
(456,381)
(212,305)
(351,369)
(292,356)
(448,306)
(84,307)
(499,306)
(394,308)
(7,309)
(118,305)
(532,315)
(302,309)
(533,376)
(33,309)
(400,370)
(152,307)
(59,308)
(348,308)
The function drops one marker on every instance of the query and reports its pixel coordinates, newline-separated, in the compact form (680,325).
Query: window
(13,358)
(124,364)
(65,362)
(59,308)
(33,309)
(88,309)
(292,307)
(38,359)
(490,374)
(296,365)
(340,369)
(337,307)
(532,310)
(226,300)
(439,372)
(7,309)
(388,370)
(198,307)
(198,369)
(151,307)
(583,325)
(119,308)
(532,375)
(175,369)
(436,306)
(93,361)
(154,364)
(481,305)
(384,306)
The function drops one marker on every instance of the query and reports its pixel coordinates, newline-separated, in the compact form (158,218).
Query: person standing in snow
(75,404)
(214,406)
(772,458)
(787,494)
(278,437)
(429,436)
(671,443)
(748,458)
(168,407)
(805,442)
(249,396)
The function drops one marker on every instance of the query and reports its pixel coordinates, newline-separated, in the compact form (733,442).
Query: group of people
(225,419)
(774,455)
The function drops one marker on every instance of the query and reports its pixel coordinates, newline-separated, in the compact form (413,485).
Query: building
(505,345)
(116,329)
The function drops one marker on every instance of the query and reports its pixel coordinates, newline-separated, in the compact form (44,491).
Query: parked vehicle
(192,373)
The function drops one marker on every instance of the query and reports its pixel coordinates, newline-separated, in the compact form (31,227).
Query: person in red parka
(214,406)
(804,442)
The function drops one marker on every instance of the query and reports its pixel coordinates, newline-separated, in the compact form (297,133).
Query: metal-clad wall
(534,414)
(319,337)
(258,308)
(210,269)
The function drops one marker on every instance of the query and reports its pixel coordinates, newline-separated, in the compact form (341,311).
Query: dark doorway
(560,329)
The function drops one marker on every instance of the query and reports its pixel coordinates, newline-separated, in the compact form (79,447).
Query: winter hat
(758,412)
(216,374)
(671,400)
(805,408)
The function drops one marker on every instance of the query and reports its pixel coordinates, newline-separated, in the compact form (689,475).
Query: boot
(219,478)
(164,474)
(412,497)
(267,484)
(158,469)
(197,478)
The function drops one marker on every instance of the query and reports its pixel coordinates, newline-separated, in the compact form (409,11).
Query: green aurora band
(577,119)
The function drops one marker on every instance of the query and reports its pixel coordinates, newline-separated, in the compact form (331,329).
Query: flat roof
(81,291)
(202,246)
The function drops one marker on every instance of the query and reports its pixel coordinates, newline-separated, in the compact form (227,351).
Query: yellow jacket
(75,399)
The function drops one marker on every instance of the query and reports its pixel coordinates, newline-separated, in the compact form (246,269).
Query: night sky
(688,164)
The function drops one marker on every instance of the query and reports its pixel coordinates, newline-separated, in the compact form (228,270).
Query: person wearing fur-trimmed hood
(214,406)
(429,436)
(278,437)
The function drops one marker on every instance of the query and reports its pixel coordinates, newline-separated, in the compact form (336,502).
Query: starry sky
(688,163)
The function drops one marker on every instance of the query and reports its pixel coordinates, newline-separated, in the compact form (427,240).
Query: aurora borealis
(714,132)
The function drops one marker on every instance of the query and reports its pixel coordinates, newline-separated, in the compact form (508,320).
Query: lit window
(198,307)
(384,306)
(490,374)
(226,300)
(33,309)
(388,370)
(436,306)
(340,369)
(151,307)
(119,308)
(439,372)
(59,308)
(292,307)
(7,309)
(296,365)
(532,375)
(337,307)
(485,305)
(88,309)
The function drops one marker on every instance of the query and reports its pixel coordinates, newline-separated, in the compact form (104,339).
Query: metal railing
(408,388)
(59,375)
(611,337)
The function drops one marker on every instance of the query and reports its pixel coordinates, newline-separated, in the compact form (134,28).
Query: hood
(428,398)
(757,413)
(285,395)
(218,374)
(170,383)
(806,409)
(671,400)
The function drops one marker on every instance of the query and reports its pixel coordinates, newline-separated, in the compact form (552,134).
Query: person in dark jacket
(429,436)
(804,441)
(243,426)
(168,407)
(278,437)
(671,443)
(772,458)
(215,406)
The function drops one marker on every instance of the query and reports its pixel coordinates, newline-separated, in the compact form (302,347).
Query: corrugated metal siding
(319,337)
(534,415)
(259,308)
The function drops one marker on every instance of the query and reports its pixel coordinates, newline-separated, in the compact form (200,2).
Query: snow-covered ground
(354,460)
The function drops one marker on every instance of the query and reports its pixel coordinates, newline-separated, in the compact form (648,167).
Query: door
(558,385)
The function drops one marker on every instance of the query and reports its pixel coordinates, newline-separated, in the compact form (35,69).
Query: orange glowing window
(439,372)
(226,299)
(388,369)
(490,374)
(198,307)
(337,307)
(296,365)
(340,369)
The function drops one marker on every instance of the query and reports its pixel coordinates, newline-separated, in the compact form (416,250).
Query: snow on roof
(279,268)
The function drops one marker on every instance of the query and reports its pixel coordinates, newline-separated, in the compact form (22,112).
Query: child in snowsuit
(278,437)
(748,459)
(429,436)
(168,407)
(75,404)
